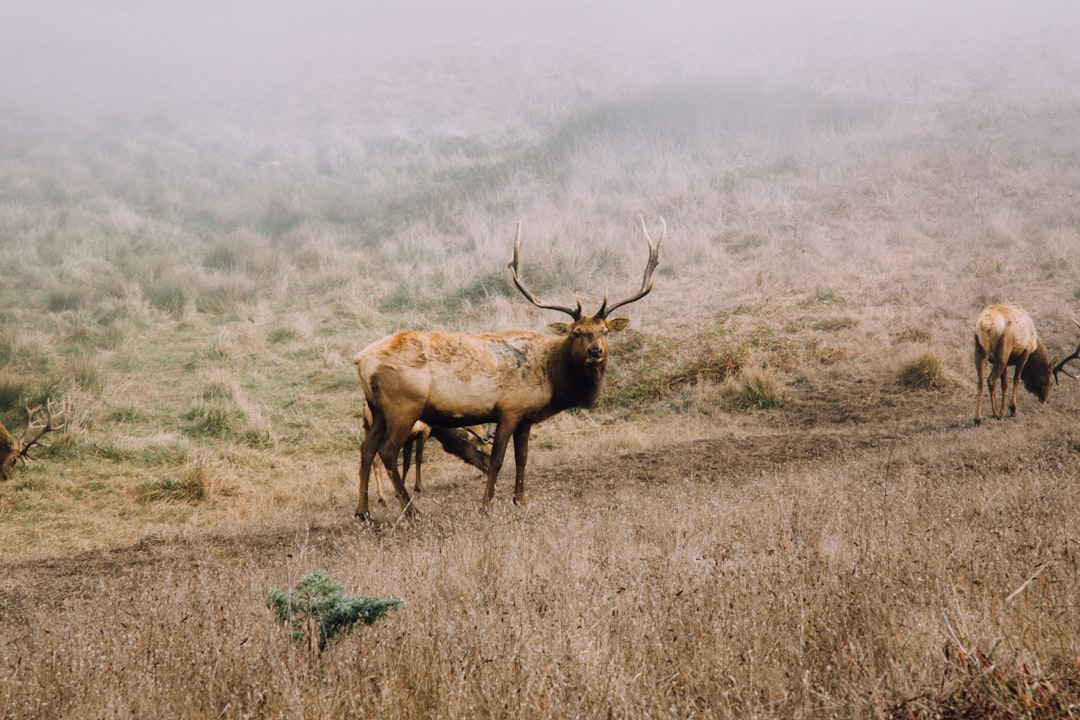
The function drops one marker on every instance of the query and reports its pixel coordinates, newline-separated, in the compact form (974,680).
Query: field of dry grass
(779,508)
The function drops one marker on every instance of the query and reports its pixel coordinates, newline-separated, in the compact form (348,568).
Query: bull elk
(1060,367)
(471,444)
(513,378)
(12,450)
(1005,335)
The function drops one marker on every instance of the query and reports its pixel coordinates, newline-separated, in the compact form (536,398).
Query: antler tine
(27,442)
(646,283)
(515,264)
(1060,367)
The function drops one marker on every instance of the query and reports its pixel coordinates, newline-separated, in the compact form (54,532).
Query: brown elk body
(513,378)
(1005,335)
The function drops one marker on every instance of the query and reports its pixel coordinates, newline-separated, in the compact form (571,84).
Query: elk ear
(559,328)
(617,324)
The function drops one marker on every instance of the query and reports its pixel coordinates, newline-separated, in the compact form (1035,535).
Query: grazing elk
(1060,367)
(513,378)
(472,444)
(12,450)
(1005,335)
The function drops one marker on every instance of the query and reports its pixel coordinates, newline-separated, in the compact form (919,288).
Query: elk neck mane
(572,384)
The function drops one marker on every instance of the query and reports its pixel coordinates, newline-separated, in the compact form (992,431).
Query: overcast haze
(292,58)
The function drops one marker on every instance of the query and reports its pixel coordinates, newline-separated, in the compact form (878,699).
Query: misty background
(408,67)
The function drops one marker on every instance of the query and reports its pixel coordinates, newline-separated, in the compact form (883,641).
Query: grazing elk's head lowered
(12,450)
(513,378)
(1005,335)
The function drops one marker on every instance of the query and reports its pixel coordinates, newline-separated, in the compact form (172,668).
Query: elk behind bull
(1005,335)
(514,378)
(471,444)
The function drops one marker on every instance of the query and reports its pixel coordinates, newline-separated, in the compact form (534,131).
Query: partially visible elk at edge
(514,378)
(1005,335)
(12,450)
(472,444)
(1060,367)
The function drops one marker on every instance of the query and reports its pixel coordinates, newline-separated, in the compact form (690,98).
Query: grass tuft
(923,372)
(756,391)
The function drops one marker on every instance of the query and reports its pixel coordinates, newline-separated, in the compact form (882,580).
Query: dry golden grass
(692,548)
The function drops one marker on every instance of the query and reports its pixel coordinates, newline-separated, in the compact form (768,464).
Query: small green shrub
(318,610)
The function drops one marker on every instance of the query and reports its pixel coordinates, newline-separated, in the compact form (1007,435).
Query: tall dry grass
(809,588)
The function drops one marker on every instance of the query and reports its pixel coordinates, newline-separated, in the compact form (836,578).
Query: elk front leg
(521,456)
(420,442)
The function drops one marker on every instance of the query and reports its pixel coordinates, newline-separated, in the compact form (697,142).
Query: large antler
(646,283)
(514,264)
(1060,367)
(28,441)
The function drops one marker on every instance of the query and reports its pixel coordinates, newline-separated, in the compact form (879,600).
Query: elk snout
(594,353)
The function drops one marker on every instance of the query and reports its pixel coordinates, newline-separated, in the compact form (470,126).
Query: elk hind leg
(373,438)
(997,375)
(389,452)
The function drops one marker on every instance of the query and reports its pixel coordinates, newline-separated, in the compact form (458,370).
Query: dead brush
(987,689)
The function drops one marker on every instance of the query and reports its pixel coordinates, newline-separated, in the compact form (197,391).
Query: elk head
(12,450)
(1060,367)
(588,346)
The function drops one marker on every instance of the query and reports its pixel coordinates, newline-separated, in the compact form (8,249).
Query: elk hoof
(978,422)
(363,516)
(521,501)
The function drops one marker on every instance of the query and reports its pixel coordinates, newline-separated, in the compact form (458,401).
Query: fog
(295,59)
